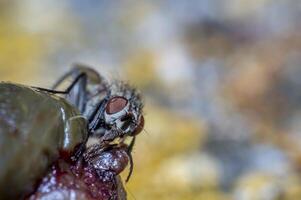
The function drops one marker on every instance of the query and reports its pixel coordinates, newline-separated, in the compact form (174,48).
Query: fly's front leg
(129,151)
(131,166)
(131,145)
(77,90)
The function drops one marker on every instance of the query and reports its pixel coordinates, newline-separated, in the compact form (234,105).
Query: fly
(113,111)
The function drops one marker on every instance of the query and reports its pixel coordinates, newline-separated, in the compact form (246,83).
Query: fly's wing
(32,132)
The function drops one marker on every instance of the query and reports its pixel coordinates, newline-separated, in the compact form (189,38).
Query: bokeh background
(221,81)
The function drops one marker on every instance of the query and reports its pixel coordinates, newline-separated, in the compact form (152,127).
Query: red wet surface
(78,181)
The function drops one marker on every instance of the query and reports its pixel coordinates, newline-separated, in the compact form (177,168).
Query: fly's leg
(86,88)
(62,79)
(131,166)
(77,94)
(78,97)
(95,119)
(131,145)
(129,152)
(70,87)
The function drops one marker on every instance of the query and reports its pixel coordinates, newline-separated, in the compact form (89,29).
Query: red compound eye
(116,104)
(140,126)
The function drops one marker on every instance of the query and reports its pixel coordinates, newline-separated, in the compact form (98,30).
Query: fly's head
(123,112)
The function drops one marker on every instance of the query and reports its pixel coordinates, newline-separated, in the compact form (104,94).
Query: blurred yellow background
(221,81)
